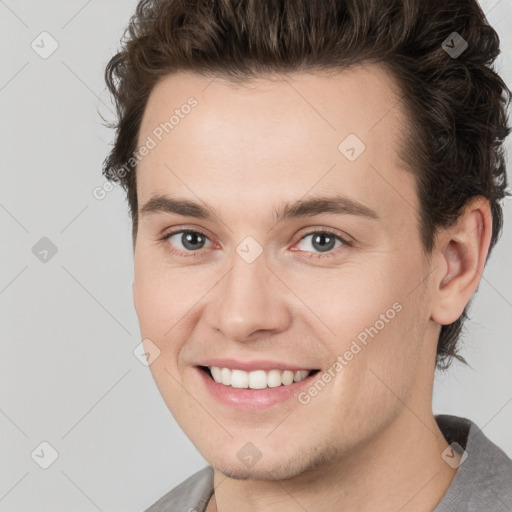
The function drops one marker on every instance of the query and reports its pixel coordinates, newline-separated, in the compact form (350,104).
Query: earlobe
(462,252)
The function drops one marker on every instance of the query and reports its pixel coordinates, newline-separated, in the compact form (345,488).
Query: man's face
(251,287)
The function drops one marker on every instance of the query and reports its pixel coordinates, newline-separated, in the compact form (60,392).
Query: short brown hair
(457,106)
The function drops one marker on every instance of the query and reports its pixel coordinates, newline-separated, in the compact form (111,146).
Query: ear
(461,252)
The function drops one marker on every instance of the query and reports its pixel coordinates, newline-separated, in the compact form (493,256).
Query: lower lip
(253,399)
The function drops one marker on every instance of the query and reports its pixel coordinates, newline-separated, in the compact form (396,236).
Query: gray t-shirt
(483,481)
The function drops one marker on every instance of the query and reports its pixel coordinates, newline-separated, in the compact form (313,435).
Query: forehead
(276,138)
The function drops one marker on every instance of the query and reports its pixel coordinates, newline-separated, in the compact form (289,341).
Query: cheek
(167,299)
(146,298)
(161,303)
(368,314)
(348,299)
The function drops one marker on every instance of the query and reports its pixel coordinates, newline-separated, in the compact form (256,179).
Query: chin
(261,471)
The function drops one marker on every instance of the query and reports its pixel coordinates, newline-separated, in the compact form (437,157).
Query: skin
(369,439)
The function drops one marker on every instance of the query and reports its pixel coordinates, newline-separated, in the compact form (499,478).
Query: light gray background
(68,375)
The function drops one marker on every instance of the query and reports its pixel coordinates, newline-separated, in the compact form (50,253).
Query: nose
(249,302)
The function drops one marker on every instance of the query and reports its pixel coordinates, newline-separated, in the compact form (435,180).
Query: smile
(271,387)
(257,379)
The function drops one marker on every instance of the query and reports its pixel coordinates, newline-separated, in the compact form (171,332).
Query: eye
(190,242)
(321,241)
(187,240)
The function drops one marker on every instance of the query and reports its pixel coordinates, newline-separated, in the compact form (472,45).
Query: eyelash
(316,255)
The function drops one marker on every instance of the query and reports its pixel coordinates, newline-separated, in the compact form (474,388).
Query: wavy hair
(457,107)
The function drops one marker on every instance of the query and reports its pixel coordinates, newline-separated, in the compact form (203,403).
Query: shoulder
(484,478)
(192,495)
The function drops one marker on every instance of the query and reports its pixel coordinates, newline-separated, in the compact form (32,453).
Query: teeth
(274,378)
(258,379)
(239,379)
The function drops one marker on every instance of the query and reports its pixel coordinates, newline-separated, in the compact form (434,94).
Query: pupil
(190,240)
(323,238)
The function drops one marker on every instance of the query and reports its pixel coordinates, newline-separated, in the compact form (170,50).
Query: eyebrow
(337,205)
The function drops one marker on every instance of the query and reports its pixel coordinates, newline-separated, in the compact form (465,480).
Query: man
(315,189)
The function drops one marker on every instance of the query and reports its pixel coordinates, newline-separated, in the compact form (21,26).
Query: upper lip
(248,366)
